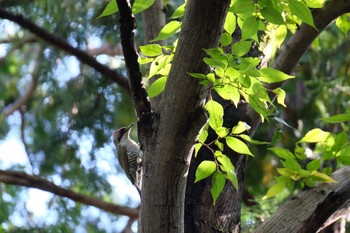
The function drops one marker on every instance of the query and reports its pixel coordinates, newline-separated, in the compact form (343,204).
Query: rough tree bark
(310,210)
(201,215)
(176,125)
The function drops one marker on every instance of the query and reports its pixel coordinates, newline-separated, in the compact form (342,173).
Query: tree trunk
(181,116)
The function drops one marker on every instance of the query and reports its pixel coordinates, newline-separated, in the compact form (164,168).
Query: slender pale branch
(31,86)
(23,179)
(84,57)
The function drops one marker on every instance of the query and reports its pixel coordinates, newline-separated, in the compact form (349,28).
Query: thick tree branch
(23,179)
(298,44)
(138,92)
(110,74)
(181,117)
(310,209)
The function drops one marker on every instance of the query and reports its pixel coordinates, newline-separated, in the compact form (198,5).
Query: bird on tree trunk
(129,155)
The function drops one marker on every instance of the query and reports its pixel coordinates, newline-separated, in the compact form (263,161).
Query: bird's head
(119,133)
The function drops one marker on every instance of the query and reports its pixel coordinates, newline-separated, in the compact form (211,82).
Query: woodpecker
(129,155)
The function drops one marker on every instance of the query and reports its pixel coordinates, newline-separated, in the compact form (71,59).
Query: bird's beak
(130,126)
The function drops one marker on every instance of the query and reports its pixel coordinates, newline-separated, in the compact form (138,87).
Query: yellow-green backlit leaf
(205,169)
(274,190)
(270,75)
(238,146)
(337,118)
(141,5)
(249,27)
(272,15)
(231,176)
(282,153)
(111,8)
(323,176)
(151,50)
(179,12)
(241,47)
(203,134)
(197,147)
(281,96)
(157,87)
(221,132)
(252,141)
(217,186)
(302,11)
(316,135)
(240,127)
(168,30)
(230,23)
(216,112)
(313,165)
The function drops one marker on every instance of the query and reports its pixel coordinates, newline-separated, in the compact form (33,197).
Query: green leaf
(282,153)
(281,96)
(168,30)
(217,186)
(291,164)
(300,152)
(198,75)
(179,12)
(151,50)
(213,62)
(159,63)
(343,24)
(272,15)
(240,48)
(283,122)
(145,60)
(225,39)
(203,134)
(285,172)
(219,145)
(205,169)
(313,165)
(240,7)
(323,176)
(274,190)
(230,23)
(231,176)
(249,27)
(216,113)
(235,97)
(238,146)
(197,147)
(157,87)
(224,161)
(270,75)
(111,8)
(240,127)
(252,141)
(221,132)
(141,5)
(244,80)
(222,91)
(315,135)
(337,118)
(302,11)
(314,3)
